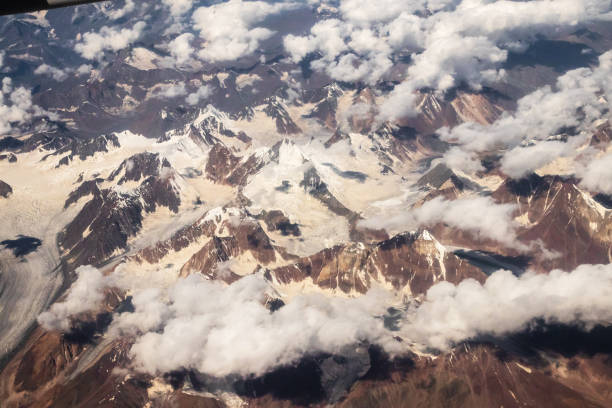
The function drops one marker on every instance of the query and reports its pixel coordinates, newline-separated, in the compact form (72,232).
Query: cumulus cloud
(221,329)
(115,14)
(85,294)
(480,216)
(168,91)
(348,53)
(203,93)
(92,45)
(399,103)
(230,30)
(227,329)
(55,73)
(211,322)
(597,175)
(181,49)
(178,7)
(506,303)
(574,101)
(451,42)
(532,135)
(84,69)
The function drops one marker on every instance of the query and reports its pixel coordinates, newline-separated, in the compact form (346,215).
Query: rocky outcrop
(10,157)
(276,220)
(225,168)
(284,123)
(84,148)
(5,189)
(111,216)
(566,219)
(410,262)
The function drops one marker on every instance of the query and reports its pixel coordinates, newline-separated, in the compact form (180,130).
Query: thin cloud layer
(480,216)
(54,72)
(202,93)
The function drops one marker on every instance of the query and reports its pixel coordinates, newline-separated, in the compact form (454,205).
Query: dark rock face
(312,380)
(562,217)
(248,236)
(139,166)
(22,245)
(11,158)
(489,262)
(402,260)
(277,221)
(225,168)
(102,226)
(436,176)
(109,218)
(10,143)
(221,163)
(5,189)
(284,123)
(86,148)
(86,188)
(336,137)
(317,188)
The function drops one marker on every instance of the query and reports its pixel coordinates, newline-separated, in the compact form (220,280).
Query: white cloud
(574,103)
(221,330)
(230,28)
(597,175)
(451,42)
(446,63)
(178,7)
(115,14)
(399,103)
(181,49)
(227,330)
(506,303)
(366,12)
(92,45)
(458,159)
(204,92)
(16,107)
(85,294)
(168,91)
(84,69)
(480,216)
(55,73)
(521,161)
